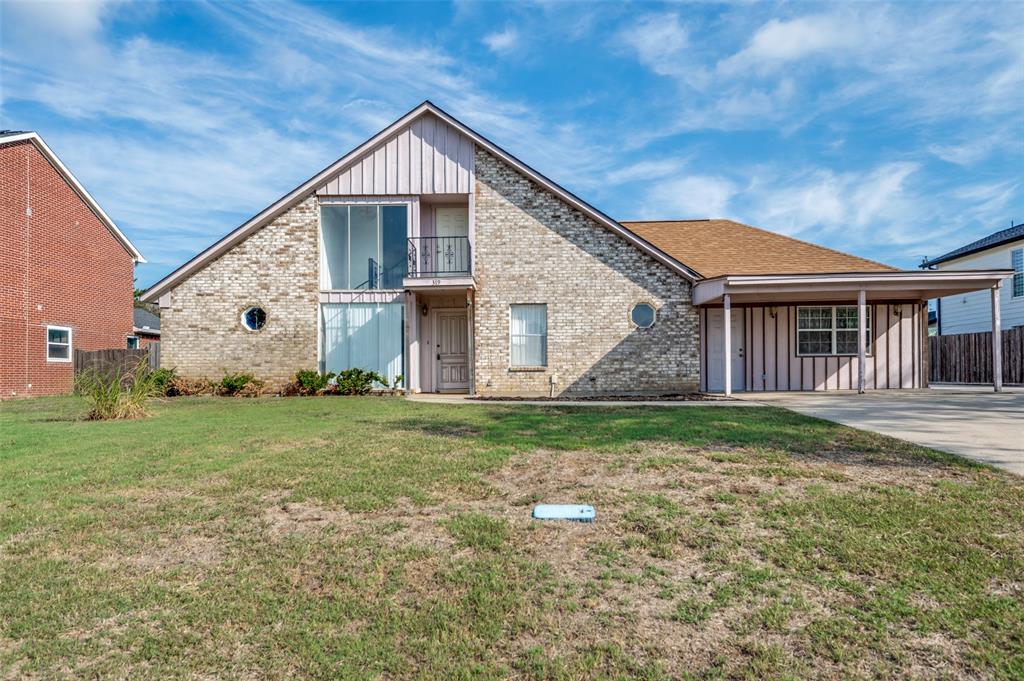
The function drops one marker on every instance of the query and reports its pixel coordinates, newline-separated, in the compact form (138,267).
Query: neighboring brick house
(431,254)
(66,271)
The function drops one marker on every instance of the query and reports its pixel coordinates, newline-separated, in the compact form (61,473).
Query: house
(440,260)
(971,311)
(66,270)
(145,327)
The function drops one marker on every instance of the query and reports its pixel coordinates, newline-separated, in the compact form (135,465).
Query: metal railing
(439,256)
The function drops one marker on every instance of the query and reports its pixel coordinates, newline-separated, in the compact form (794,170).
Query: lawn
(374,537)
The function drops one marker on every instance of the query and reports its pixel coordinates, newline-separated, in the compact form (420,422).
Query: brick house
(66,271)
(431,254)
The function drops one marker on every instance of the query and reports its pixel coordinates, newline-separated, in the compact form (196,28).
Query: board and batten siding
(771,362)
(428,156)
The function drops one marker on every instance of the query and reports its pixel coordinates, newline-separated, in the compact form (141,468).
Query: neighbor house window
(829,330)
(1017,258)
(58,344)
(363,246)
(133,342)
(529,336)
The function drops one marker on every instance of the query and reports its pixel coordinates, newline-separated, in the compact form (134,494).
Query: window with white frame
(528,346)
(829,330)
(58,344)
(133,342)
(1017,259)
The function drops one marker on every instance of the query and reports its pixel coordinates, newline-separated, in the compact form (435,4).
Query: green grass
(362,537)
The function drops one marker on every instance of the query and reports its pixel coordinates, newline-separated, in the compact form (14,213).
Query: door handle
(439,355)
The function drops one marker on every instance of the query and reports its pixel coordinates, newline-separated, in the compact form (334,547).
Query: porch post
(413,361)
(470,331)
(727,341)
(997,342)
(862,336)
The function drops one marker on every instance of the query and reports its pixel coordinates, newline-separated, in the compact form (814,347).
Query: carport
(829,331)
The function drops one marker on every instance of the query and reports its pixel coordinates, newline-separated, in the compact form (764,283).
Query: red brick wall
(59,266)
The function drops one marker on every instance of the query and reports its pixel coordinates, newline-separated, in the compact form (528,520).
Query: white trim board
(77,187)
(309,187)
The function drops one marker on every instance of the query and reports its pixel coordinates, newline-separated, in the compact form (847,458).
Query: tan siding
(426,157)
(771,362)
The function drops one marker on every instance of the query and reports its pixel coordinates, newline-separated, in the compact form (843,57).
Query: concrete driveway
(973,422)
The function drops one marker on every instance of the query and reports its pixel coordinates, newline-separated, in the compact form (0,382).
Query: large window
(829,330)
(58,344)
(364,336)
(529,336)
(1017,259)
(363,246)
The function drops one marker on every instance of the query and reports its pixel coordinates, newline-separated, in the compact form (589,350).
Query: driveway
(975,423)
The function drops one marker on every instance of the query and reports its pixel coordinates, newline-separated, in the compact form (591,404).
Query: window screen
(829,330)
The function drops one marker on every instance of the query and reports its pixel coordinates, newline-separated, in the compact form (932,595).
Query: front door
(716,350)
(452,351)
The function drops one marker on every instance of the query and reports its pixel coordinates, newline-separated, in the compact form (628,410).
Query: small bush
(187,387)
(358,381)
(235,384)
(311,382)
(118,394)
(162,379)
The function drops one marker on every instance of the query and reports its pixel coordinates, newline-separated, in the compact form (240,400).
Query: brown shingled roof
(717,247)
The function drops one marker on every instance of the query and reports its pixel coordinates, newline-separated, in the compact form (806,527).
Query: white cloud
(501,42)
(660,42)
(693,196)
(646,170)
(779,42)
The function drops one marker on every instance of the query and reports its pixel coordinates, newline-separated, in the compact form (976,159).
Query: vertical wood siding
(428,156)
(771,361)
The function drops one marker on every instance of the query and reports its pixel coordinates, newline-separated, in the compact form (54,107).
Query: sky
(892,131)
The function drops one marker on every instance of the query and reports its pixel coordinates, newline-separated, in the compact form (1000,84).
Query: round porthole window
(643,315)
(254,318)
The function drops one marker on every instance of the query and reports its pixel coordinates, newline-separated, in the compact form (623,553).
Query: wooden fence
(108,361)
(967,357)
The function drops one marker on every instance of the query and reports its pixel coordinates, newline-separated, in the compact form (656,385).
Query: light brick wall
(531,247)
(276,268)
(59,266)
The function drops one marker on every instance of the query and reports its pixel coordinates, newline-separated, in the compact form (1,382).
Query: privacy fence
(109,361)
(967,357)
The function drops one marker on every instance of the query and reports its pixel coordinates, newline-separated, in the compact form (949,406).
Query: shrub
(233,384)
(358,381)
(162,379)
(118,394)
(311,382)
(187,387)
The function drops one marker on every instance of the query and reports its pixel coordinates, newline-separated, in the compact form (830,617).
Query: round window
(254,318)
(643,315)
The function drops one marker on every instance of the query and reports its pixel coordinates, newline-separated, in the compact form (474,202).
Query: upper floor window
(1017,259)
(829,330)
(58,344)
(363,246)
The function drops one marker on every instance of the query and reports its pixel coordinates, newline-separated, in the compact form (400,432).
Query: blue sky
(891,131)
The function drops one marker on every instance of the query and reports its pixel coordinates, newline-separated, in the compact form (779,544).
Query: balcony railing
(439,256)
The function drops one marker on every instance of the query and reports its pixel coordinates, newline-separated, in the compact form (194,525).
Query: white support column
(470,330)
(727,341)
(997,342)
(862,337)
(413,312)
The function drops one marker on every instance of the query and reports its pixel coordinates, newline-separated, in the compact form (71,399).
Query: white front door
(716,350)
(452,333)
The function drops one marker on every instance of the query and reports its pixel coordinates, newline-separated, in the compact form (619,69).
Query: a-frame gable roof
(11,137)
(337,168)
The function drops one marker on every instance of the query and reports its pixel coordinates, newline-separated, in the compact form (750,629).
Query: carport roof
(840,286)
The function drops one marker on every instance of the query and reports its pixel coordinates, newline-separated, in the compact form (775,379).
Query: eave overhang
(843,286)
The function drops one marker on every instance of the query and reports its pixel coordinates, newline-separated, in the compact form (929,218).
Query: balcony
(439,257)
